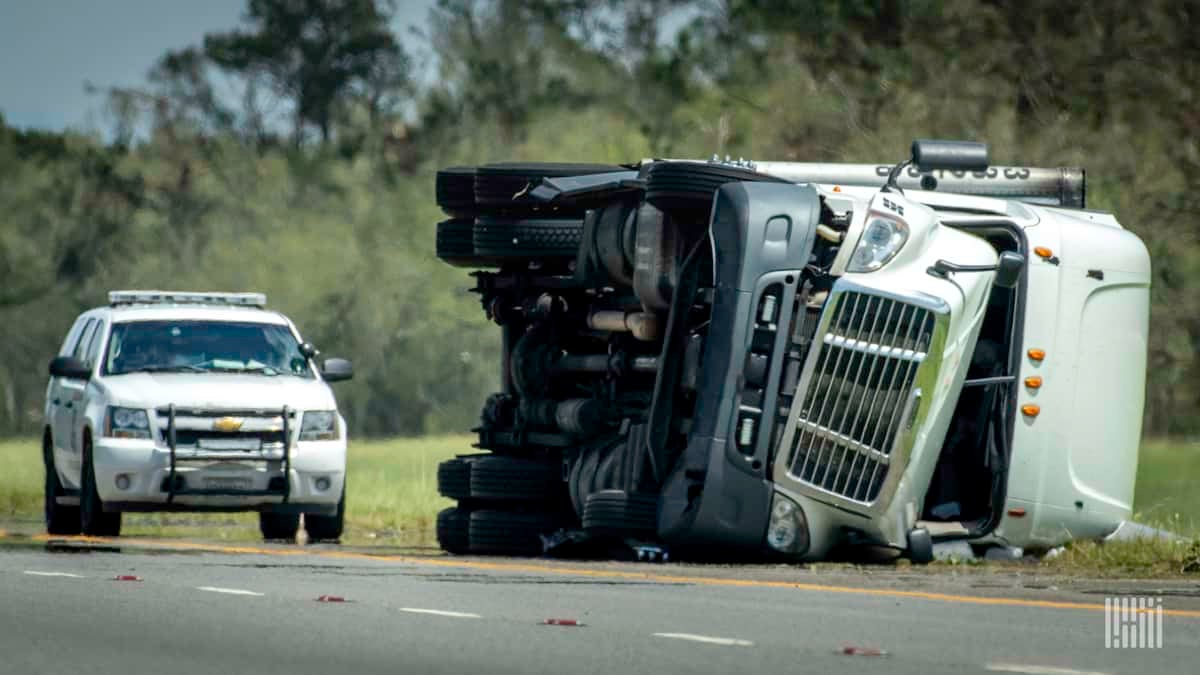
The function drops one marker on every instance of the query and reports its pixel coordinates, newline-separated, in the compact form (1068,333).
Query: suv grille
(857,394)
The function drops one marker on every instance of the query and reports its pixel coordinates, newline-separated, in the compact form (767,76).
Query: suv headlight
(319,425)
(881,240)
(126,423)
(787,531)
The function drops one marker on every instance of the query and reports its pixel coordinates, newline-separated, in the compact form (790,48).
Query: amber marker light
(1033,382)
(1037,354)
(1031,410)
(1043,252)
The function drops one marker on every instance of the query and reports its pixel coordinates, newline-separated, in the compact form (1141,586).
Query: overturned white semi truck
(768,358)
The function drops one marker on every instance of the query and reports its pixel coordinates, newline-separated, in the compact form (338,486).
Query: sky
(49,49)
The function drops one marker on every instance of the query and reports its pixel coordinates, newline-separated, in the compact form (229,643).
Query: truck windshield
(204,346)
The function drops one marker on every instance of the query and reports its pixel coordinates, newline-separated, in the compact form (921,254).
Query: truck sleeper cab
(800,366)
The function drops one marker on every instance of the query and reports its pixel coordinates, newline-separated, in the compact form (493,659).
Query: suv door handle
(55,402)
(70,404)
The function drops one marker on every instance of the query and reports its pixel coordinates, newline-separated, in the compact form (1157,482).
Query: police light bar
(186,298)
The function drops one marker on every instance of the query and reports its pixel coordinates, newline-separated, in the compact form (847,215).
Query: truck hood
(218,391)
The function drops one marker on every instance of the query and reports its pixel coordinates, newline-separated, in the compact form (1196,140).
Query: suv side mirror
(70,367)
(337,370)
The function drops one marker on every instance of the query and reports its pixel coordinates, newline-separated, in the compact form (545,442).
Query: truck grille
(857,394)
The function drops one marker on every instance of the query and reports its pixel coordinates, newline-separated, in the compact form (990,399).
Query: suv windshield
(204,346)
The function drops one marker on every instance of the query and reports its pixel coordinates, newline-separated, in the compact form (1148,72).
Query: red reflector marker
(126,577)
(561,622)
(330,598)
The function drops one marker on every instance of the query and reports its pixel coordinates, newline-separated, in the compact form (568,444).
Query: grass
(393,500)
(392,494)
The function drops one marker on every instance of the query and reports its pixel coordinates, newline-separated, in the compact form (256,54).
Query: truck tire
(454,477)
(524,239)
(453,530)
(685,190)
(502,185)
(510,532)
(456,244)
(278,526)
(93,520)
(455,190)
(622,514)
(60,519)
(323,528)
(516,479)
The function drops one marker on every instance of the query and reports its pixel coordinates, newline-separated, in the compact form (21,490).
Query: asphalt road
(197,608)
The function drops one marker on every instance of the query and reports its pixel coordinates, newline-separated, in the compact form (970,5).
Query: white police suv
(169,401)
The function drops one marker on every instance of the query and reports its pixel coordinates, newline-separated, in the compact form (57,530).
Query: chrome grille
(857,393)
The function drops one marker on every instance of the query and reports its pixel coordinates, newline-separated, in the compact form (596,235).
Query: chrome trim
(848,436)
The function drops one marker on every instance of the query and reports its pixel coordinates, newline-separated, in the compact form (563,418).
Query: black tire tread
(453,530)
(527,238)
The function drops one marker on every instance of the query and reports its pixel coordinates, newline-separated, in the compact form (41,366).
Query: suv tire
(60,519)
(278,526)
(323,528)
(93,520)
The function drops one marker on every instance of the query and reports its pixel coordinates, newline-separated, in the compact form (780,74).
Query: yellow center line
(606,574)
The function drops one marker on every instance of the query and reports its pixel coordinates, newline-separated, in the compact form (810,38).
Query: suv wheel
(277,526)
(322,528)
(92,517)
(60,519)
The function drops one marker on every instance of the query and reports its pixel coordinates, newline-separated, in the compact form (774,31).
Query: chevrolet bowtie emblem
(228,424)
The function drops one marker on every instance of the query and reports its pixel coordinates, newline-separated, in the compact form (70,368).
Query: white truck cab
(176,401)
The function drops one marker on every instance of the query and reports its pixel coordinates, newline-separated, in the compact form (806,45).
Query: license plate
(229,443)
(227,483)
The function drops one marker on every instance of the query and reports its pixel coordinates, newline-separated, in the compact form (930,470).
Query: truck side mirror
(930,155)
(1009,269)
(337,370)
(70,367)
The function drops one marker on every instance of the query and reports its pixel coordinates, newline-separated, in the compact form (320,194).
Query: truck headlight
(881,240)
(319,425)
(126,423)
(787,531)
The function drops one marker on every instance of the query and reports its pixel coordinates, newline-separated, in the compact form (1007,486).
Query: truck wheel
(498,185)
(456,244)
(685,190)
(322,528)
(510,533)
(514,478)
(279,526)
(60,519)
(508,238)
(621,514)
(454,477)
(92,518)
(920,546)
(455,189)
(453,530)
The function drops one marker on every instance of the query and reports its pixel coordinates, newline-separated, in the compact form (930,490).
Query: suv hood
(218,391)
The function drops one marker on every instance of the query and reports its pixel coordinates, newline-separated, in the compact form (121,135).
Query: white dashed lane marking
(35,573)
(228,591)
(1032,669)
(723,641)
(441,612)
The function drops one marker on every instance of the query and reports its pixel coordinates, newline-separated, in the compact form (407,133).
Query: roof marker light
(1033,382)
(1030,410)
(1043,252)
(1037,354)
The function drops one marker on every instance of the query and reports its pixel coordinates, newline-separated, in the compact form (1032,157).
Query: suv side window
(93,348)
(72,339)
(84,338)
